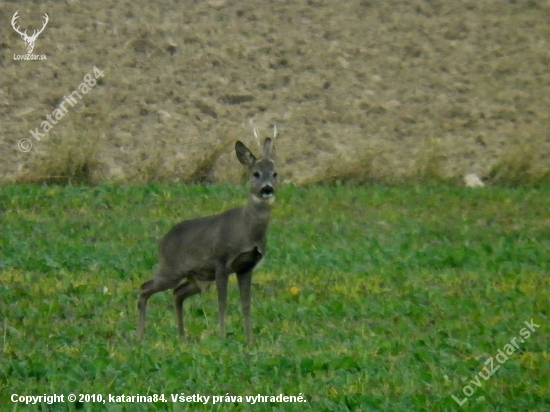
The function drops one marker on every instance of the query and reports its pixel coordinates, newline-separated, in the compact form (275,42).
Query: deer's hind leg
(187,289)
(147,290)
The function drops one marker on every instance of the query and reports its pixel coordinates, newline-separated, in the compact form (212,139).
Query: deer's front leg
(222,278)
(245,281)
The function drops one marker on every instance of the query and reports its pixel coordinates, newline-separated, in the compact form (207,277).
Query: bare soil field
(391,92)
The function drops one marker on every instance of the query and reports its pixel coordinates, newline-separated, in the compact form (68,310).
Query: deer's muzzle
(267,191)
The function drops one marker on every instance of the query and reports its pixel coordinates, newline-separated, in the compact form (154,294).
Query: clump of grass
(520,166)
(202,173)
(373,168)
(150,170)
(429,168)
(74,167)
(357,172)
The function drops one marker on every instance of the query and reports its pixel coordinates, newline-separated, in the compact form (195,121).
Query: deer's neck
(257,211)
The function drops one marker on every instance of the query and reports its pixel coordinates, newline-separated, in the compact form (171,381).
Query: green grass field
(405,293)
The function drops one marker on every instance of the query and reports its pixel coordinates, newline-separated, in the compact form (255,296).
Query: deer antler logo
(29,40)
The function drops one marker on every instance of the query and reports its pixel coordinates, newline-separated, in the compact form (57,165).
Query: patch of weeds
(351,173)
(430,166)
(74,167)
(202,173)
(519,167)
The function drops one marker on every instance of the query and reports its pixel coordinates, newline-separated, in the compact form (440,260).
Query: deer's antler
(255,130)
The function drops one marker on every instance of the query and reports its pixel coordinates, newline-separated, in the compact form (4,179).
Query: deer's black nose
(267,191)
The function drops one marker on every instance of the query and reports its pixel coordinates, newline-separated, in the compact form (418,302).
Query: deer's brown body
(199,252)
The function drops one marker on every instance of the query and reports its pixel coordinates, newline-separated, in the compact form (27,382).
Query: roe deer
(201,251)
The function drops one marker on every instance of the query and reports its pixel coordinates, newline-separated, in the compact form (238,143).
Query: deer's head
(263,175)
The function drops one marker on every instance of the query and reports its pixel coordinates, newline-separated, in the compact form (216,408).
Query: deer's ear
(244,155)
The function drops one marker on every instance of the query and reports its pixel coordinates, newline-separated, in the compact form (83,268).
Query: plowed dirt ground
(383,91)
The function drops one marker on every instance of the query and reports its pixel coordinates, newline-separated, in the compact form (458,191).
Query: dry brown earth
(384,91)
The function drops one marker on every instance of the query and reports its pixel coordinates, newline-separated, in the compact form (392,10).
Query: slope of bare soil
(390,92)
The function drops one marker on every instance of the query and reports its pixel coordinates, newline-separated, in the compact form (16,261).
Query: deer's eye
(256,175)
(275,174)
